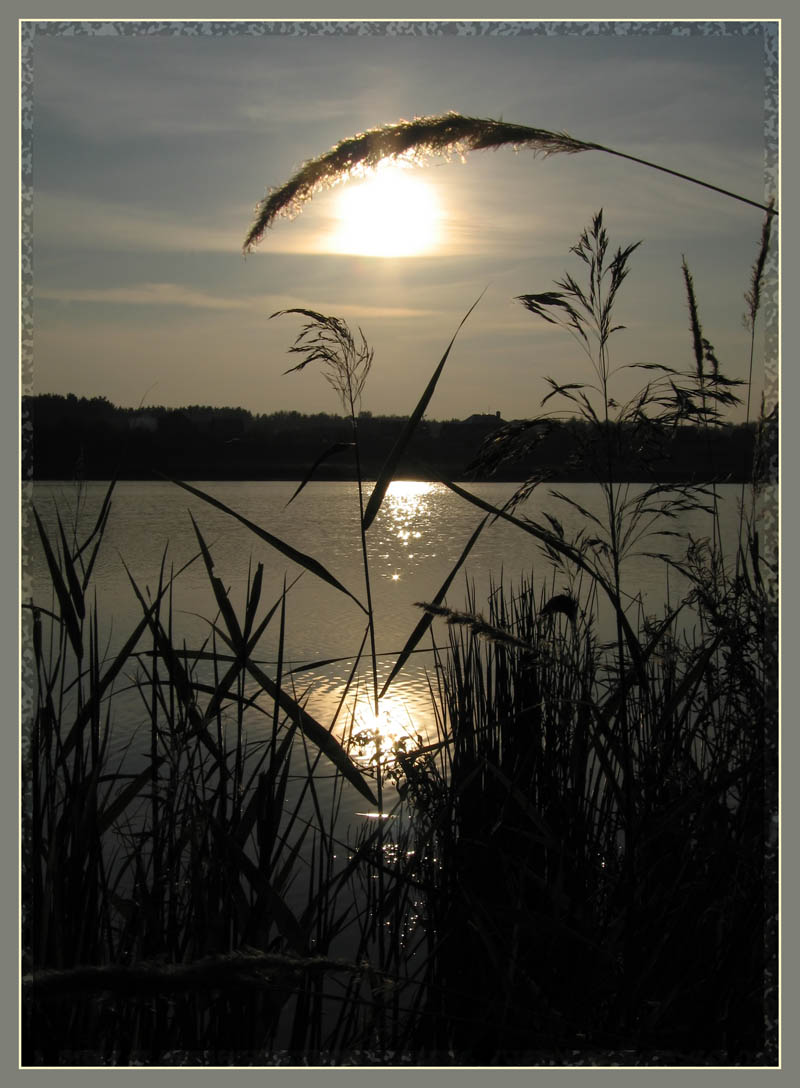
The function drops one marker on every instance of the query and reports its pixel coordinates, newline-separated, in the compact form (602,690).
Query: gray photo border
(476,26)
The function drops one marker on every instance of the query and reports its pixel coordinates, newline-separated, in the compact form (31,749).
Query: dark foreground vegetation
(580,867)
(91,439)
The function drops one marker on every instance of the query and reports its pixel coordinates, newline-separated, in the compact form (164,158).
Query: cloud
(66,221)
(178,295)
(146,294)
(74,221)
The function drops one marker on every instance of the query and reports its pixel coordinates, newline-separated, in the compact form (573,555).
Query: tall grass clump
(191,897)
(605,815)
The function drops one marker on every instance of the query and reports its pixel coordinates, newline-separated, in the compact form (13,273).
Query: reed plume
(753,296)
(477,625)
(448,134)
(694,318)
(329,341)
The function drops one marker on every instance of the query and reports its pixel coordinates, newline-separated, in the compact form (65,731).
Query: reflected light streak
(374,738)
(406,505)
(408,491)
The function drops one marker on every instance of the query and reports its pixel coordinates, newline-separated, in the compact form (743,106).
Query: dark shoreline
(76,438)
(464,481)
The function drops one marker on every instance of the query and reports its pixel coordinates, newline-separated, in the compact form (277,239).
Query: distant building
(485,418)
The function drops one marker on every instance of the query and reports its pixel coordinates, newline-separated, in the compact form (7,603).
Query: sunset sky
(151,152)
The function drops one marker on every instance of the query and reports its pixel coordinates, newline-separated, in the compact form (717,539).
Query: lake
(413,544)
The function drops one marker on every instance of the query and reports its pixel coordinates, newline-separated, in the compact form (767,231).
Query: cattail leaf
(220,593)
(242,655)
(246,702)
(278,760)
(76,592)
(102,517)
(561,549)
(90,706)
(334,884)
(387,472)
(296,556)
(337,447)
(316,733)
(98,531)
(178,675)
(427,617)
(687,685)
(545,834)
(222,690)
(253,598)
(616,699)
(283,916)
(122,799)
(320,664)
(68,615)
(96,548)
(289,853)
(606,753)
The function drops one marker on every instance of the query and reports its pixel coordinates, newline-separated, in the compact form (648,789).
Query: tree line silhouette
(70,437)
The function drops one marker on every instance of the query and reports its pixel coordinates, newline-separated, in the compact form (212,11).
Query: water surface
(414,543)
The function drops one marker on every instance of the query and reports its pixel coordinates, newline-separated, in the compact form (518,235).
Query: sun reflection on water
(374,738)
(405,496)
(407,511)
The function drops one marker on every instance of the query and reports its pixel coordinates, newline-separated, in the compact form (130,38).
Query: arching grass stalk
(447,134)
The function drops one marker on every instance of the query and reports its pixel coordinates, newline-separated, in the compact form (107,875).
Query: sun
(393,213)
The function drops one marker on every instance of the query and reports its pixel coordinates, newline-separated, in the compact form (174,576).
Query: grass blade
(108,677)
(179,678)
(555,542)
(296,556)
(316,733)
(124,798)
(427,617)
(75,589)
(337,447)
(284,919)
(387,472)
(64,600)
(220,593)
(102,517)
